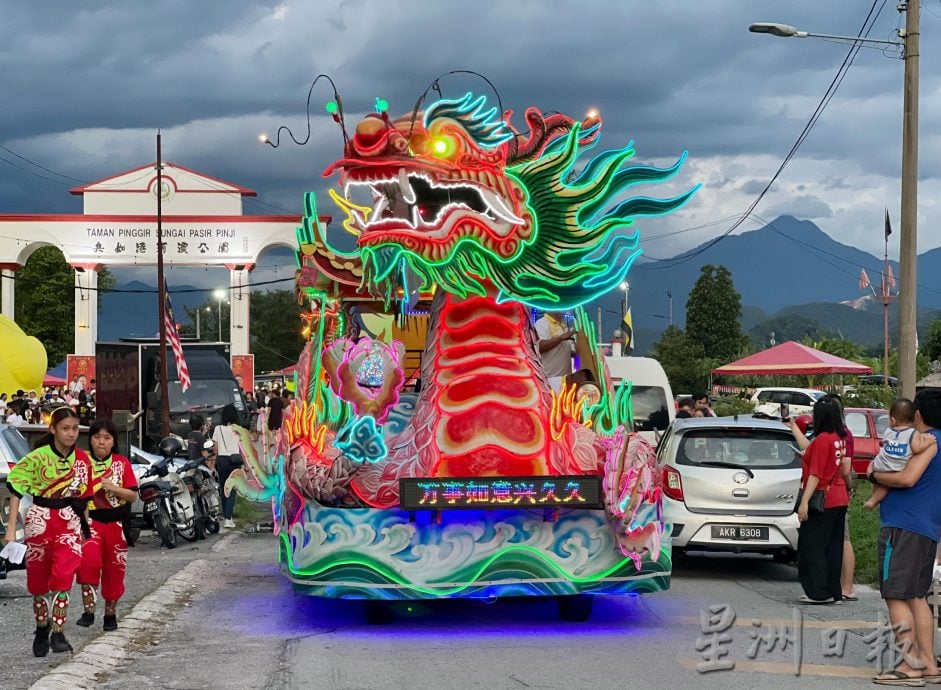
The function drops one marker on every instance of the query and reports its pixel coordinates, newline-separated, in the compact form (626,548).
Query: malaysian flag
(889,279)
(174,339)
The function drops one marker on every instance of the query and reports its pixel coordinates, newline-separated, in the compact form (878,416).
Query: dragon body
(455,208)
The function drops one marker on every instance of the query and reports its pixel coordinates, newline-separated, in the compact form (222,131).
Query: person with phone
(820,537)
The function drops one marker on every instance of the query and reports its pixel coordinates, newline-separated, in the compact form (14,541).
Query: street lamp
(220,296)
(908,231)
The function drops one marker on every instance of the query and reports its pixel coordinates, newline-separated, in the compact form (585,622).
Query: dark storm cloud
(83,93)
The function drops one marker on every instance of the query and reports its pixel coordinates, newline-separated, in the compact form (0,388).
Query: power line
(810,247)
(41,167)
(153,291)
(33,173)
(808,127)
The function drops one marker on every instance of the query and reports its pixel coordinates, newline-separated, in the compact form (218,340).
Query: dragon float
(464,473)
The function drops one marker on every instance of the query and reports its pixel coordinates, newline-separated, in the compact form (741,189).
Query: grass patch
(249,511)
(864,533)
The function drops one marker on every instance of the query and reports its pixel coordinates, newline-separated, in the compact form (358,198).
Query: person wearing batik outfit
(104,556)
(59,478)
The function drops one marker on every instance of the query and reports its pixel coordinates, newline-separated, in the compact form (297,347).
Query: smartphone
(785,411)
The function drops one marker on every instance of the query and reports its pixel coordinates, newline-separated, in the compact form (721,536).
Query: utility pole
(162,299)
(908,233)
(670,297)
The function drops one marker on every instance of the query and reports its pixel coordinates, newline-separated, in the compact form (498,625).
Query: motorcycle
(206,491)
(168,497)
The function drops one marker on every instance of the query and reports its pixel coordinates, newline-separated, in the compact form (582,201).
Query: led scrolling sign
(561,491)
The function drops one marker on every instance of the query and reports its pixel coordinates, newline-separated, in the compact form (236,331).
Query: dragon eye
(444,146)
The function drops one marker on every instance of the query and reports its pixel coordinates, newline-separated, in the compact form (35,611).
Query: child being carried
(900,442)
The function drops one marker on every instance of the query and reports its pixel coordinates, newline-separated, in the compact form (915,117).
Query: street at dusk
(494,345)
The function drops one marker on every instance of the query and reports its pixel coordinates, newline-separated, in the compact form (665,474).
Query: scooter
(205,491)
(168,498)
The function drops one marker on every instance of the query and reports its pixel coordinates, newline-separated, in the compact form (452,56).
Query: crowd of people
(29,407)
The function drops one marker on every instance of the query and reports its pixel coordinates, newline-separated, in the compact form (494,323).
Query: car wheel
(575,608)
(378,612)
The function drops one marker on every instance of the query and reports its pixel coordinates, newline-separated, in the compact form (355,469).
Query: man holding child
(908,543)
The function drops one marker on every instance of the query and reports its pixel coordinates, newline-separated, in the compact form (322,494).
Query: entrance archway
(202,223)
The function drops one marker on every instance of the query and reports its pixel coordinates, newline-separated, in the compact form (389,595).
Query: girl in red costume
(59,478)
(104,556)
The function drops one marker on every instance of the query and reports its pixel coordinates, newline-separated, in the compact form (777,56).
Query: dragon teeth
(408,193)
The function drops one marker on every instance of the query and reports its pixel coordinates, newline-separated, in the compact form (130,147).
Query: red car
(867,426)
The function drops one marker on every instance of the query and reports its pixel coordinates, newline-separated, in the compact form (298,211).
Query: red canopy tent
(791,358)
(287,371)
(53,380)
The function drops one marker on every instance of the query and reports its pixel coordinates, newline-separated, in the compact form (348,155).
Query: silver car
(730,484)
(13,446)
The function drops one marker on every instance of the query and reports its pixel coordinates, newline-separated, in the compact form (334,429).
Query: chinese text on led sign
(575,491)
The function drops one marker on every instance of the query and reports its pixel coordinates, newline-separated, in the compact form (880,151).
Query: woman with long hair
(104,556)
(59,478)
(228,457)
(820,538)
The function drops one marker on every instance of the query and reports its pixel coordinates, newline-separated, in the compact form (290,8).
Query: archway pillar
(239,308)
(8,289)
(86,308)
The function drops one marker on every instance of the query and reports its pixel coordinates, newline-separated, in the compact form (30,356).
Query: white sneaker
(229,524)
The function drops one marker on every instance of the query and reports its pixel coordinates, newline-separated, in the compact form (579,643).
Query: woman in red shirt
(820,538)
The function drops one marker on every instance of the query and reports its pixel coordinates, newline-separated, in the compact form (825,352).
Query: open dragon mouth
(414,203)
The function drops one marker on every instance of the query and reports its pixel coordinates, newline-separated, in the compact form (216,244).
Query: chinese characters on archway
(182,242)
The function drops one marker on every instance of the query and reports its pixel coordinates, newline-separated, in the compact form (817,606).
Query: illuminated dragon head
(465,201)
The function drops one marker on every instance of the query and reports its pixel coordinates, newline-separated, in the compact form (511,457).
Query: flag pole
(162,298)
(885,302)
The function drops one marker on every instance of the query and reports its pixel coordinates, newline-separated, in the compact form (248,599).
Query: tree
(787,327)
(682,360)
(276,337)
(713,313)
(841,347)
(45,300)
(932,345)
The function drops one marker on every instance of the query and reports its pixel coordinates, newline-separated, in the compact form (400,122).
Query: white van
(651,395)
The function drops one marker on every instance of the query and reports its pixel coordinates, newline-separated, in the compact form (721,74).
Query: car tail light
(672,483)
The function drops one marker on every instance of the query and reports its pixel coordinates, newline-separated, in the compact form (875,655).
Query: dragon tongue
(406,187)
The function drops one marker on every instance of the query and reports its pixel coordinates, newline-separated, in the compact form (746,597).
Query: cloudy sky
(86,85)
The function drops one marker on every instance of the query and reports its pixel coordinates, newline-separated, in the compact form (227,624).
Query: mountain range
(134,313)
(787,267)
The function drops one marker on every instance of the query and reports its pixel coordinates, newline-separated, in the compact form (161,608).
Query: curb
(109,651)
